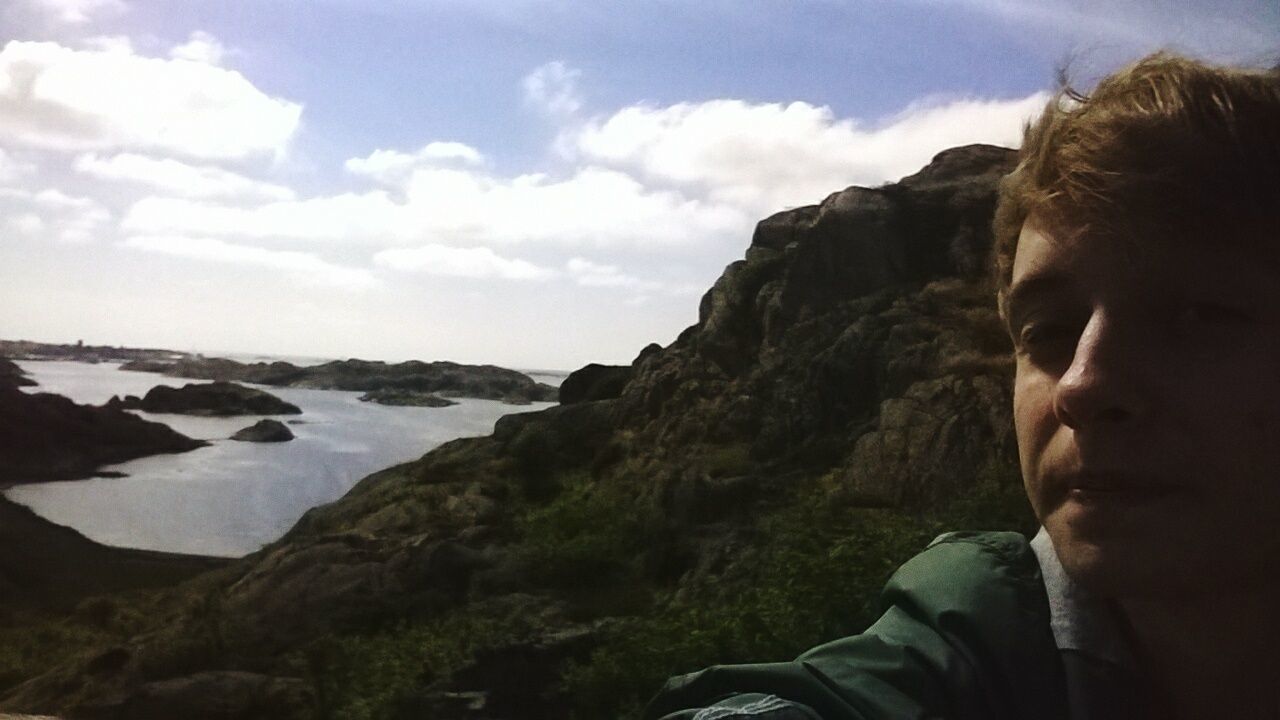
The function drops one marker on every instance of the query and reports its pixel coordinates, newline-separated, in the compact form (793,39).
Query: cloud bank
(59,98)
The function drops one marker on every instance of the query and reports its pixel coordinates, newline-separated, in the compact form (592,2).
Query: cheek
(1034,424)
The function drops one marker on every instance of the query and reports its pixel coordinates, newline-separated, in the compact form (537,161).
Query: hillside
(738,495)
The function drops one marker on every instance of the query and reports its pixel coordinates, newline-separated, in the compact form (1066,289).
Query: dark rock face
(594,382)
(448,378)
(854,355)
(405,398)
(48,437)
(13,376)
(264,431)
(219,399)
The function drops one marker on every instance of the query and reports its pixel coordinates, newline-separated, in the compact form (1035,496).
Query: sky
(528,183)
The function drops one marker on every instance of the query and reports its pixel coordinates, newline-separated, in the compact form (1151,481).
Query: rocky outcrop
(219,399)
(594,382)
(13,376)
(48,437)
(406,398)
(264,431)
(442,378)
(846,385)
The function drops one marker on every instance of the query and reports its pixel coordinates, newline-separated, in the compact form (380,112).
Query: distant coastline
(447,379)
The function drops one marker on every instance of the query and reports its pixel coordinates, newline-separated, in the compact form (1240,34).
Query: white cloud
(50,198)
(590,274)
(121,44)
(178,178)
(201,47)
(29,224)
(765,157)
(78,12)
(84,226)
(553,89)
(594,207)
(473,262)
(682,177)
(59,98)
(364,218)
(62,217)
(393,167)
(11,169)
(302,267)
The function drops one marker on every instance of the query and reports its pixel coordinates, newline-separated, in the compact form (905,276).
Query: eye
(1037,337)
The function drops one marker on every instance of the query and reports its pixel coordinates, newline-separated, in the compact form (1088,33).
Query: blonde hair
(1167,146)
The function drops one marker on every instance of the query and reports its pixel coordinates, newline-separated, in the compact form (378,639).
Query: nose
(1104,380)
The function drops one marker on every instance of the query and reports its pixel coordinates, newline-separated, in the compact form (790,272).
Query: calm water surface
(232,497)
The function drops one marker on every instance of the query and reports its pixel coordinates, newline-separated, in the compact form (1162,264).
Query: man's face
(1147,408)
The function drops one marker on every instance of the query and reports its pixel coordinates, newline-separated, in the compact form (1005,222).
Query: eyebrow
(1030,287)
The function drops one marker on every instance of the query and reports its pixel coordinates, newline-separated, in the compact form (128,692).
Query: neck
(1211,656)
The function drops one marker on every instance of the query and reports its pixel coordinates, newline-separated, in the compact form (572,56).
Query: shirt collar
(1079,620)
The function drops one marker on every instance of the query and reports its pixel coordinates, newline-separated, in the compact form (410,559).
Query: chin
(1113,567)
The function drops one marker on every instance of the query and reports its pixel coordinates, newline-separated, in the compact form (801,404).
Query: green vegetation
(377,675)
(33,641)
(812,574)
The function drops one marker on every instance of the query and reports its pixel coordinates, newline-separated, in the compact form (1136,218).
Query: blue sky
(527,183)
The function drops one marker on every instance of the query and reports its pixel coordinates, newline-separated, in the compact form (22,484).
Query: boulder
(264,431)
(594,382)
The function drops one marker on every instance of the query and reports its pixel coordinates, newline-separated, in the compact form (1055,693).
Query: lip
(1095,488)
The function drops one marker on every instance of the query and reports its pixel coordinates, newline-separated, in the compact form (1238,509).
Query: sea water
(233,497)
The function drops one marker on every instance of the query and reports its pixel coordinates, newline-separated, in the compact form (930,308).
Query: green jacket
(967,634)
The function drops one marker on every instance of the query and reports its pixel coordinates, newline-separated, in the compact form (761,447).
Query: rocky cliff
(737,495)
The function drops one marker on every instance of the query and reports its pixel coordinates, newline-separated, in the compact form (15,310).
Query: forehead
(1081,259)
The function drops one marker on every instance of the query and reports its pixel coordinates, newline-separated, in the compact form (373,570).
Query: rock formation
(48,437)
(594,382)
(406,398)
(264,431)
(13,376)
(220,399)
(446,378)
(844,396)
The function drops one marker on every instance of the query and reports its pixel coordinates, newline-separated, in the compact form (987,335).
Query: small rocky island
(405,398)
(215,399)
(486,382)
(264,431)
